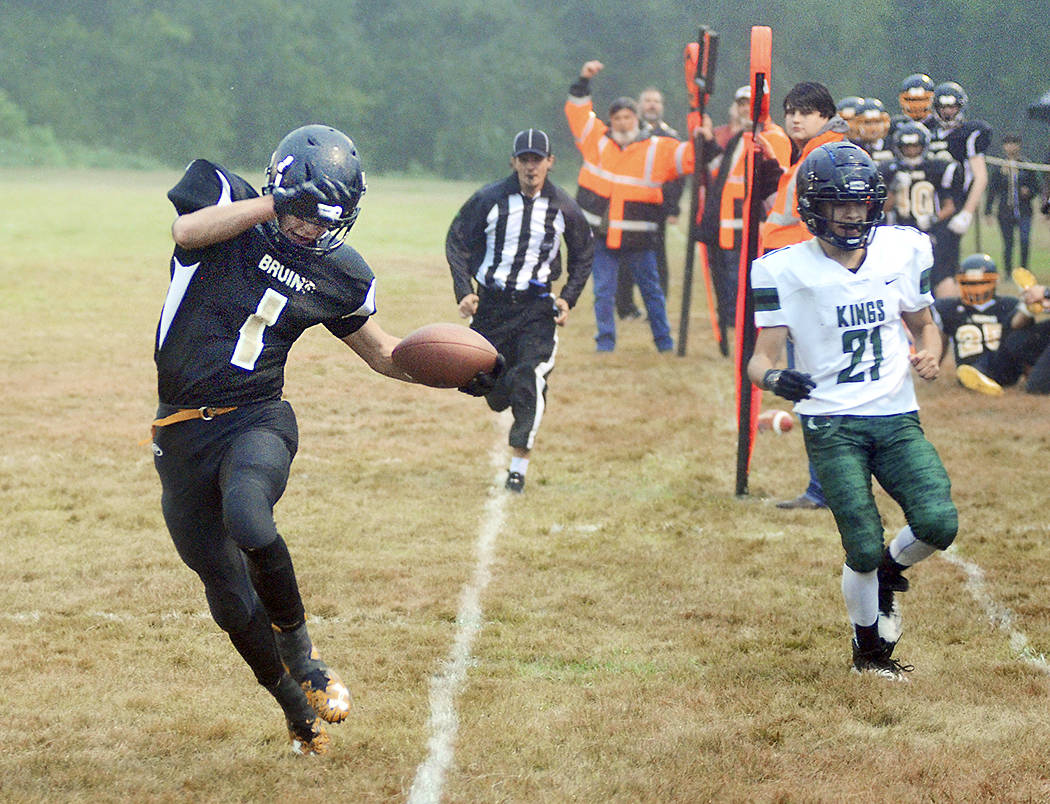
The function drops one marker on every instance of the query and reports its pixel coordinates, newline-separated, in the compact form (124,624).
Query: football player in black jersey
(922,191)
(249,274)
(955,137)
(976,321)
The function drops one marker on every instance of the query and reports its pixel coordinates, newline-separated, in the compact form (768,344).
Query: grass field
(644,635)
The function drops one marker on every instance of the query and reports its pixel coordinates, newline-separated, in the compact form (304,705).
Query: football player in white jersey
(846,298)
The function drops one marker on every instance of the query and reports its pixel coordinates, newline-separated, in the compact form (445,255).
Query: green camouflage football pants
(846,451)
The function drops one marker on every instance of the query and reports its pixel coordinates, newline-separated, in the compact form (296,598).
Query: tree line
(441,87)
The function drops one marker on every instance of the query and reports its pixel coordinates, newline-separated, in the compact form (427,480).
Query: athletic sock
(519,465)
(861,593)
(907,550)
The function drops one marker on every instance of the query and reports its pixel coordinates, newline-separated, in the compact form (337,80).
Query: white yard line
(447,683)
(997,614)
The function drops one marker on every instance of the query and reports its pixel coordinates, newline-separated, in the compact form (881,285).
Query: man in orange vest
(722,224)
(621,194)
(810,120)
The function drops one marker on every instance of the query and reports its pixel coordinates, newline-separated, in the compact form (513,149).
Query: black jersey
(234,309)
(973,330)
(959,142)
(918,191)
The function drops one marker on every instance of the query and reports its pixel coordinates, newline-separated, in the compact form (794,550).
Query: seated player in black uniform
(249,274)
(976,322)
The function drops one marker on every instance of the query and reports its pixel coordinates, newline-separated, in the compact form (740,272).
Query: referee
(503,249)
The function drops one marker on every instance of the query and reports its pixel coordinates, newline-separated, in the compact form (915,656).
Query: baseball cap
(532,141)
(624,102)
(743,92)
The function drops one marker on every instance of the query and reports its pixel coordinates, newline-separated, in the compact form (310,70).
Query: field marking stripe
(997,614)
(447,683)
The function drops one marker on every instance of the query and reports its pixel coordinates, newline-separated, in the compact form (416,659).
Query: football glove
(317,200)
(483,382)
(960,222)
(788,383)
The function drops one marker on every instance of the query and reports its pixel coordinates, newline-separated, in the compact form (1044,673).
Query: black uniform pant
(521,326)
(1022,350)
(220,480)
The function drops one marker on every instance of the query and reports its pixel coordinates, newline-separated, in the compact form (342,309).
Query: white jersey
(846,327)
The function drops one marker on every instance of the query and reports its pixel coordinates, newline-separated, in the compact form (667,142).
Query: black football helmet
(911,133)
(916,95)
(949,94)
(308,154)
(977,278)
(839,172)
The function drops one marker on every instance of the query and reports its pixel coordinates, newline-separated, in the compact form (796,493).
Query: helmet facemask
(311,153)
(977,278)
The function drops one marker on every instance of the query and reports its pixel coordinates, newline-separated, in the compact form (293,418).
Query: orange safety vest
(783,226)
(731,210)
(621,189)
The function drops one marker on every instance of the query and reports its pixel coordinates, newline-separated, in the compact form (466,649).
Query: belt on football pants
(186,414)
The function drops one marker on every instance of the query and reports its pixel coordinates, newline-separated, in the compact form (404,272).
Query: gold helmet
(977,278)
(874,120)
(916,96)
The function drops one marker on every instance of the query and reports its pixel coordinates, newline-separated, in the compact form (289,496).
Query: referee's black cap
(532,141)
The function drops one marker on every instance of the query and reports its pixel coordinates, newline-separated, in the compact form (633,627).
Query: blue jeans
(642,264)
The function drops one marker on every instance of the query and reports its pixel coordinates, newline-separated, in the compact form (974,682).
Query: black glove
(788,383)
(483,382)
(301,200)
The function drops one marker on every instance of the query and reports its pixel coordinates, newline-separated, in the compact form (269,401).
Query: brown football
(444,355)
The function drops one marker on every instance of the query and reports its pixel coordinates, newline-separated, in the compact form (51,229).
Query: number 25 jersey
(234,309)
(847,327)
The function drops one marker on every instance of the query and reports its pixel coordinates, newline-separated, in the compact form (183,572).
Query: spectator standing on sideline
(249,274)
(651,111)
(846,298)
(621,193)
(810,120)
(738,116)
(722,223)
(1015,188)
(506,241)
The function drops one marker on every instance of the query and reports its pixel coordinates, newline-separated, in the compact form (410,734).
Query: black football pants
(524,333)
(220,481)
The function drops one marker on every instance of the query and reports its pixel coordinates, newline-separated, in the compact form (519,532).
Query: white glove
(924,221)
(960,222)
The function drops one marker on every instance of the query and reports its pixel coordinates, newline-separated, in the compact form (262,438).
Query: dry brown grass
(647,636)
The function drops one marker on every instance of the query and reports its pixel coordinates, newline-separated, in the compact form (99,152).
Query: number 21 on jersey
(250,343)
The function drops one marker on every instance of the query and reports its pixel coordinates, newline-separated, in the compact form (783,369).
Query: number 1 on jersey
(250,343)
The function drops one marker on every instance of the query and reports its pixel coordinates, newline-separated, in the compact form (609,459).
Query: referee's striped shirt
(504,241)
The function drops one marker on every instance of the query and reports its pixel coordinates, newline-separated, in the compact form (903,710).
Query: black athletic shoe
(515,482)
(890,580)
(879,662)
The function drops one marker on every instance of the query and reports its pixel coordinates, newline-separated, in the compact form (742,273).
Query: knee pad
(865,557)
(231,611)
(937,526)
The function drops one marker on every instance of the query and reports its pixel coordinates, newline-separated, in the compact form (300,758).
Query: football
(444,355)
(777,421)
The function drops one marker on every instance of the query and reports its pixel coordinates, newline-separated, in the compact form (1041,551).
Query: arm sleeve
(579,246)
(465,236)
